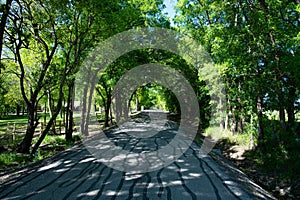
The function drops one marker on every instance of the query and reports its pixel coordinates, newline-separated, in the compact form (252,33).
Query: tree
(251,39)
(4,9)
(34,37)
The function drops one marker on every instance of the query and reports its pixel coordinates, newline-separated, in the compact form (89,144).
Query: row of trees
(150,95)
(256,47)
(43,44)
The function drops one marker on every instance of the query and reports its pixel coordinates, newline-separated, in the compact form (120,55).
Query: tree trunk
(118,107)
(48,127)
(50,107)
(67,116)
(137,103)
(260,117)
(291,116)
(226,122)
(4,17)
(55,114)
(291,106)
(282,116)
(298,130)
(45,113)
(18,110)
(69,113)
(25,145)
(84,102)
(107,109)
(89,105)
(49,103)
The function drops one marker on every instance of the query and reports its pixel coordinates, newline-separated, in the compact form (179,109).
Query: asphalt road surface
(78,174)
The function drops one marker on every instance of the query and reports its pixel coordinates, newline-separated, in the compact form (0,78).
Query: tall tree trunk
(69,113)
(55,114)
(298,130)
(48,127)
(83,111)
(49,103)
(118,107)
(67,116)
(226,122)
(32,123)
(45,113)
(291,116)
(86,103)
(3,25)
(107,109)
(291,106)
(18,110)
(282,115)
(137,103)
(260,117)
(71,117)
(50,106)
(221,122)
(89,105)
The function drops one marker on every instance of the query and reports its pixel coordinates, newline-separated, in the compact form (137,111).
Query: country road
(78,174)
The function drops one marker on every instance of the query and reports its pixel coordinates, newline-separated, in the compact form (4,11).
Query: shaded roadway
(77,174)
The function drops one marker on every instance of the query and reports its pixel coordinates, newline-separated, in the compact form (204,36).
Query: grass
(10,159)
(273,164)
(12,119)
(242,139)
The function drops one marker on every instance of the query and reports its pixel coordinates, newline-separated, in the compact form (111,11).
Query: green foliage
(256,43)
(279,158)
(12,159)
(9,159)
(151,96)
(242,140)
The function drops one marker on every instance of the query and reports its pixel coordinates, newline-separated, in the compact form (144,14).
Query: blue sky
(170,8)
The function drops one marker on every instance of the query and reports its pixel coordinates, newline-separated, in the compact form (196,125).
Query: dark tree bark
(281,112)
(107,101)
(84,102)
(290,105)
(69,112)
(55,114)
(18,110)
(24,146)
(260,117)
(32,99)
(107,109)
(4,17)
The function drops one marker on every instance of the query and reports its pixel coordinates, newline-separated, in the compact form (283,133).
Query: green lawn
(10,159)
(12,119)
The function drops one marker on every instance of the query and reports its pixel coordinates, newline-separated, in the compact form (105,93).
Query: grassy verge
(275,165)
(10,159)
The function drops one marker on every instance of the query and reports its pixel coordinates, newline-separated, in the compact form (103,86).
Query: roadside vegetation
(12,130)
(274,165)
(254,46)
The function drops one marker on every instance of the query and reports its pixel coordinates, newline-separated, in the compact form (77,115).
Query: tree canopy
(254,44)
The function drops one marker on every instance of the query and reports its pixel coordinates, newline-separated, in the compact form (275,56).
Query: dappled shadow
(77,174)
(226,146)
(274,164)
